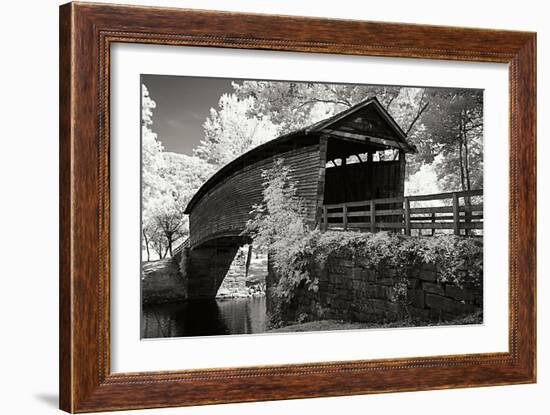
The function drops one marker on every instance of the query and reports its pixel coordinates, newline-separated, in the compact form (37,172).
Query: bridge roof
(364,125)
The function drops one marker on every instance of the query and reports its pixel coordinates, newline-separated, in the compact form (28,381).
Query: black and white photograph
(277,206)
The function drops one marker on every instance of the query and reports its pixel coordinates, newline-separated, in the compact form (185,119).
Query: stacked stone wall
(350,289)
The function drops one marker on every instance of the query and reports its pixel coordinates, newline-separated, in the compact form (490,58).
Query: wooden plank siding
(225,209)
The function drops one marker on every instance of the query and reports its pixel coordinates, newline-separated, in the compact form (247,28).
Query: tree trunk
(421,109)
(467,200)
(248,258)
(146,246)
(158,249)
(461,164)
(467,163)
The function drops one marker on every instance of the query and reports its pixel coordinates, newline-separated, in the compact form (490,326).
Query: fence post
(407,216)
(456,216)
(467,212)
(325,221)
(433,221)
(345,216)
(372,217)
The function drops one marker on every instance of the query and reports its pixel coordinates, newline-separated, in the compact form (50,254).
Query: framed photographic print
(260,207)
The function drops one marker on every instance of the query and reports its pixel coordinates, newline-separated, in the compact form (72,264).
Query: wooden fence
(456,212)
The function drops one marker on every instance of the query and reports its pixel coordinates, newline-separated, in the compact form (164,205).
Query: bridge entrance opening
(362,175)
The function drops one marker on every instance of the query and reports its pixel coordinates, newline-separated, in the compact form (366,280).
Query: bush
(296,251)
(459,260)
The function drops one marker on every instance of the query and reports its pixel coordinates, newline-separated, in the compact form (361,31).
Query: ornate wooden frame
(86,33)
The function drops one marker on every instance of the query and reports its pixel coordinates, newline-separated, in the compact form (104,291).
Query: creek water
(205,318)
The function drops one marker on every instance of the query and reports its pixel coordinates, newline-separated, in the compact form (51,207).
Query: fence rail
(456,211)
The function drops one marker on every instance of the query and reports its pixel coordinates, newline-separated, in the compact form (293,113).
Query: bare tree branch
(420,111)
(326,101)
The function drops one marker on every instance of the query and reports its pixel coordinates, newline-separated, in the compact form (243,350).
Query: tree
(169,219)
(152,160)
(293,105)
(182,176)
(282,214)
(233,129)
(446,125)
(453,129)
(423,182)
(169,180)
(153,239)
(152,163)
(278,225)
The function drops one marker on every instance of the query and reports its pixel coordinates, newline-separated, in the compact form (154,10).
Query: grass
(327,325)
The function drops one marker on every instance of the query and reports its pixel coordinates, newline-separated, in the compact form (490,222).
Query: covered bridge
(336,160)
(355,155)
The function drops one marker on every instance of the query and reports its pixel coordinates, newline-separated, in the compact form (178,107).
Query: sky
(183,103)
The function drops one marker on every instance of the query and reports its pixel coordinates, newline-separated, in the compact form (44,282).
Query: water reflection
(205,318)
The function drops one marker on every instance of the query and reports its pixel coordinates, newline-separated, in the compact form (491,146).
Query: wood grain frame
(86,33)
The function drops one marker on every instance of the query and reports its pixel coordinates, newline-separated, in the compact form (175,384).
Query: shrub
(296,251)
(459,260)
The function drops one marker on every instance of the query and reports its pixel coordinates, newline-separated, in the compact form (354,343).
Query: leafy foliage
(446,125)
(459,259)
(169,180)
(232,130)
(278,225)
(453,130)
(296,251)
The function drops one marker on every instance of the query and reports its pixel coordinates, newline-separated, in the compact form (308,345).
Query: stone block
(391,272)
(347,284)
(459,293)
(420,313)
(365,317)
(368,275)
(391,316)
(435,315)
(414,283)
(334,279)
(345,263)
(413,272)
(433,288)
(386,281)
(385,306)
(337,269)
(376,291)
(416,298)
(427,275)
(448,305)
(355,273)
(478,300)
